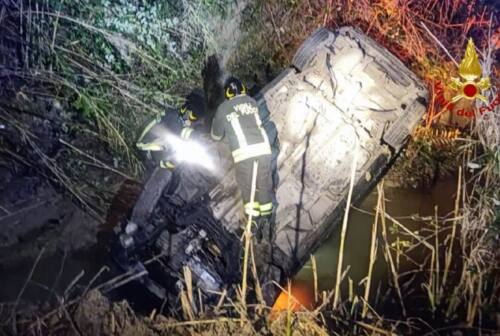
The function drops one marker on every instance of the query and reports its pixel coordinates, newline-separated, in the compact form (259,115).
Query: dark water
(402,204)
(64,271)
(56,272)
(53,273)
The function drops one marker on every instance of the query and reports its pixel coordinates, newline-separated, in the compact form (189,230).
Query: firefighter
(238,120)
(165,176)
(181,122)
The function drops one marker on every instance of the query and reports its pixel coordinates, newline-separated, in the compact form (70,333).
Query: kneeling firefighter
(238,120)
(184,123)
(181,123)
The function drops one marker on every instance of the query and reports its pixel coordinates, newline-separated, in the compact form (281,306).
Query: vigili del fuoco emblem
(470,85)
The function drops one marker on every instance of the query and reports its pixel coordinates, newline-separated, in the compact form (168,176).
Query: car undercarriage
(345,100)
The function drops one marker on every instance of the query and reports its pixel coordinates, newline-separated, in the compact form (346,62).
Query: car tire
(150,195)
(308,49)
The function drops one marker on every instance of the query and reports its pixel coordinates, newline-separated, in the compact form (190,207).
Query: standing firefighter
(239,121)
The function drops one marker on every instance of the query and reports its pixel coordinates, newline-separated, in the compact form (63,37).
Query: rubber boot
(267,228)
(257,230)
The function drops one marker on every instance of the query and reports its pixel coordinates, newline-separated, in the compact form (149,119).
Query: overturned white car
(344,100)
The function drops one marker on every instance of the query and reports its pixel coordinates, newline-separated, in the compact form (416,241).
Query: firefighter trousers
(262,205)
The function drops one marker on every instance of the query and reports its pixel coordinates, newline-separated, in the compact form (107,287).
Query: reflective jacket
(239,121)
(151,137)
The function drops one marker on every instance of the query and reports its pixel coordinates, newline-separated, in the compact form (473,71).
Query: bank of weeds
(110,66)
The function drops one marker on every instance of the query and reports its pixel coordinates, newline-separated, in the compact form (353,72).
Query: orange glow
(302,298)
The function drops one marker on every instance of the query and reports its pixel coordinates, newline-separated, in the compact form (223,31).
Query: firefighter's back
(242,126)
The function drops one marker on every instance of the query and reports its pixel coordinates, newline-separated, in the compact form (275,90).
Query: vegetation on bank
(109,66)
(112,65)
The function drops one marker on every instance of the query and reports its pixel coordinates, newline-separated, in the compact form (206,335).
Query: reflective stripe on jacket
(186,132)
(239,121)
(150,139)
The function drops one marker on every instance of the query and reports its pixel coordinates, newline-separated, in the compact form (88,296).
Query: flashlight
(189,151)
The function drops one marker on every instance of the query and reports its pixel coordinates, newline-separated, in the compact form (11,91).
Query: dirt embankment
(36,216)
(95,315)
(36,213)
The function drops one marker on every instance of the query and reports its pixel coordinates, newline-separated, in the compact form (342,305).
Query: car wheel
(308,48)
